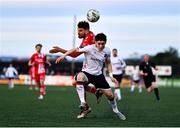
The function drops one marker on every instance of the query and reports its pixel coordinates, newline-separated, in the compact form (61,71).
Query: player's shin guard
(80,91)
(156,92)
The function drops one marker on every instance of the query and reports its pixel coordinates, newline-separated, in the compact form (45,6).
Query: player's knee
(108,94)
(110,97)
(81,78)
(154,85)
(149,90)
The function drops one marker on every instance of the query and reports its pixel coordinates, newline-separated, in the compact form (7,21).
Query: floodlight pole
(73,44)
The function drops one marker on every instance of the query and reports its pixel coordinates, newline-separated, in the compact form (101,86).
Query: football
(93,15)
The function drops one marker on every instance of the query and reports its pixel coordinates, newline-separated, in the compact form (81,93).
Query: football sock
(9,85)
(140,89)
(114,105)
(12,85)
(42,89)
(132,88)
(156,92)
(117,92)
(80,91)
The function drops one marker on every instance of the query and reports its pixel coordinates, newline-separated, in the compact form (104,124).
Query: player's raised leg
(90,88)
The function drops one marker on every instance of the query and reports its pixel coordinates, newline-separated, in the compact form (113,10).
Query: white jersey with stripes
(94,59)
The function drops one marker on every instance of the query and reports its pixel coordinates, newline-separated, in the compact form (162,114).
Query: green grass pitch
(20,107)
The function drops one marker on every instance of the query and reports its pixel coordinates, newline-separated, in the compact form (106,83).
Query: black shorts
(98,81)
(10,78)
(136,81)
(118,77)
(148,80)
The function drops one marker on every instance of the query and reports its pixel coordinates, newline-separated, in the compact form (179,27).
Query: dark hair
(83,24)
(114,49)
(100,37)
(40,45)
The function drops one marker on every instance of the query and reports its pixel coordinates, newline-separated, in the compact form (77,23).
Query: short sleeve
(108,54)
(85,49)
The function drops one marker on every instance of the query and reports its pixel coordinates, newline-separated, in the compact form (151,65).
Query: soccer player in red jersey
(38,60)
(83,33)
(88,39)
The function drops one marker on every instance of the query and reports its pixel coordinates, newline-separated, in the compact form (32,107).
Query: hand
(55,49)
(33,64)
(59,59)
(114,80)
(49,64)
(145,74)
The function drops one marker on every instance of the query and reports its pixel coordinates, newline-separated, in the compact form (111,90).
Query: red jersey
(38,60)
(88,40)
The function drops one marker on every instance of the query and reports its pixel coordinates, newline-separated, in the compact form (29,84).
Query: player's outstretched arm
(61,58)
(57,49)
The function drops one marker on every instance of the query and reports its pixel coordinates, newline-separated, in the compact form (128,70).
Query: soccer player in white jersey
(118,67)
(11,73)
(136,79)
(95,56)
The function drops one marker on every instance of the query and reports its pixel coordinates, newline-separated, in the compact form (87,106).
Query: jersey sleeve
(15,71)
(85,49)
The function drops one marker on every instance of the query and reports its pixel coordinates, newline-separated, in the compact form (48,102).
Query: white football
(93,15)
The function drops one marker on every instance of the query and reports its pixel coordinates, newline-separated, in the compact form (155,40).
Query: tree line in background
(168,57)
